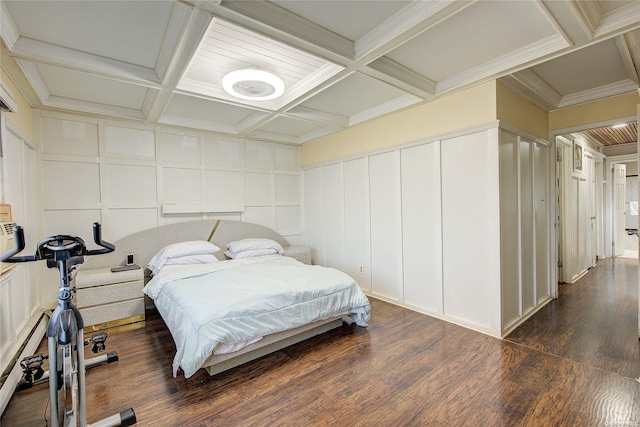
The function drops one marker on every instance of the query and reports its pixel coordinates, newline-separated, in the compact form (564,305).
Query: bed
(224,312)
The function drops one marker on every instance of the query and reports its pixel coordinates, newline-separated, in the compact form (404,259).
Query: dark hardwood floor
(574,363)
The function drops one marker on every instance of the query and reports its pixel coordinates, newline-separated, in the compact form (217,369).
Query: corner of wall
(521,113)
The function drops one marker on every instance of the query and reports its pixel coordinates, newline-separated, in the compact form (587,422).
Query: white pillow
(192,259)
(250,253)
(253,244)
(181,249)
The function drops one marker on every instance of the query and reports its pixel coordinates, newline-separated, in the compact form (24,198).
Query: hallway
(594,321)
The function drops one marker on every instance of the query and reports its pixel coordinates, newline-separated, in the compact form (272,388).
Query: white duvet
(236,301)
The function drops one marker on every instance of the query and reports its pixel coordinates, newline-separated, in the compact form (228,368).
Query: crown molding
(383,109)
(504,64)
(597,93)
(410,21)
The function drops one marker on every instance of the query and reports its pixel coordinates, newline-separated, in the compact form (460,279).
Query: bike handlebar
(46,251)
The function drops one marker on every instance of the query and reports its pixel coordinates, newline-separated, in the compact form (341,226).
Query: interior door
(619,173)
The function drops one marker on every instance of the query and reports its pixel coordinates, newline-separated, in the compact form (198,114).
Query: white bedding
(235,301)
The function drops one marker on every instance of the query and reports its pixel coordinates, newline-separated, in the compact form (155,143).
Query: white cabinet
(107,298)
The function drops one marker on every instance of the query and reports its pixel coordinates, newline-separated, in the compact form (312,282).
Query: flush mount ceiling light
(253,84)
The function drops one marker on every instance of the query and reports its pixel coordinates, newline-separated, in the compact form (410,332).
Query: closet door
(386,226)
(422,227)
(333,216)
(541,217)
(357,221)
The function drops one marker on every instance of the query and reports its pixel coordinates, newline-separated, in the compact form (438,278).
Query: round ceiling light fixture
(253,84)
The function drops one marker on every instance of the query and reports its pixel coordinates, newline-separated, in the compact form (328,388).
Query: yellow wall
(521,113)
(616,107)
(22,119)
(465,109)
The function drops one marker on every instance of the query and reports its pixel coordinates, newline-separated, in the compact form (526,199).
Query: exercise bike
(65,335)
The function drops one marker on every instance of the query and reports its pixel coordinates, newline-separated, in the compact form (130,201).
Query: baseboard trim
(11,380)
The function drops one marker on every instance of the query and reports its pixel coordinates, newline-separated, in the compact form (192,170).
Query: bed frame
(144,245)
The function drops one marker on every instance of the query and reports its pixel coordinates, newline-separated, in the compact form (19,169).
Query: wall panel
(422,227)
(133,170)
(386,225)
(510,228)
(333,216)
(357,222)
(314,225)
(470,226)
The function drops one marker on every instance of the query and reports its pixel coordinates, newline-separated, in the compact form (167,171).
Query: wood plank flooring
(404,369)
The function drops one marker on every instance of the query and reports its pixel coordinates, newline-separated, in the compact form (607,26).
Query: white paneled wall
(133,177)
(386,225)
(440,226)
(524,233)
(20,294)
(357,221)
(421,227)
(471,229)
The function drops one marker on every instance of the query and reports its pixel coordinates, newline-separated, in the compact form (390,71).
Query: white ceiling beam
(311,115)
(613,89)
(531,86)
(273,21)
(176,56)
(34,50)
(627,60)
(407,23)
(503,65)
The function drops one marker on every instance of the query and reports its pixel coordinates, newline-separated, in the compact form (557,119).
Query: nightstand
(107,299)
(301,253)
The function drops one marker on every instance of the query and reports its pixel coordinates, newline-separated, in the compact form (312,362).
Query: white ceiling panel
(355,93)
(343,62)
(476,35)
(79,86)
(588,72)
(188,110)
(345,17)
(98,27)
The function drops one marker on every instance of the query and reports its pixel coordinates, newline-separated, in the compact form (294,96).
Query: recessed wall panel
(421,227)
(357,220)
(313,224)
(74,222)
(386,225)
(224,154)
(509,232)
(224,187)
(72,183)
(130,220)
(69,137)
(257,187)
(174,148)
(288,219)
(333,216)
(128,143)
(182,185)
(130,184)
(287,159)
(259,215)
(258,156)
(287,189)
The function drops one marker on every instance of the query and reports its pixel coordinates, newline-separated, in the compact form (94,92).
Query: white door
(619,172)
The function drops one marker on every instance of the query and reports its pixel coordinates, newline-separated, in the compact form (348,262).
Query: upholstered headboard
(144,244)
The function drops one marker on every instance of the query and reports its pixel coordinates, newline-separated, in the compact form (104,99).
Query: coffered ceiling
(342,62)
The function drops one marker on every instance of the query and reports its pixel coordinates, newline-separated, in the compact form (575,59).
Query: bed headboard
(144,244)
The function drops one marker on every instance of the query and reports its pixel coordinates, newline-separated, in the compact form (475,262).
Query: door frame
(554,256)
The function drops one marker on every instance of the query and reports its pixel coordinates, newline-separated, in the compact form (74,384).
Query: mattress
(237,301)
